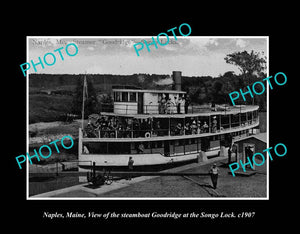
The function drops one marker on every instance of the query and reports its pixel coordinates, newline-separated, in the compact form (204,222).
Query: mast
(84,96)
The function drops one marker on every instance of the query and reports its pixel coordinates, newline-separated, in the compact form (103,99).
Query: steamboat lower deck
(150,146)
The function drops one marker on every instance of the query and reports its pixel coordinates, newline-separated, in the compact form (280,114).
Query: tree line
(201,89)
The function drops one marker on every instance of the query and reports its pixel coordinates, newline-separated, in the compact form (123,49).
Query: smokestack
(177,80)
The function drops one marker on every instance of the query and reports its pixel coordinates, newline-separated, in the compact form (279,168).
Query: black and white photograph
(148,117)
(177,117)
(113,119)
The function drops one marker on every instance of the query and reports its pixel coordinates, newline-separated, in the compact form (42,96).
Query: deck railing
(126,108)
(172,131)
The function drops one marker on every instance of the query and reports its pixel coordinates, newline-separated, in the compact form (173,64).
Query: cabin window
(254,115)
(225,121)
(250,116)
(215,138)
(101,148)
(118,148)
(243,117)
(117,96)
(107,148)
(146,145)
(124,96)
(235,120)
(132,97)
(194,141)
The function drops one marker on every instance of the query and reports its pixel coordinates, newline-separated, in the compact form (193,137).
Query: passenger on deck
(178,129)
(140,148)
(187,129)
(186,103)
(214,124)
(85,150)
(136,128)
(205,127)
(162,105)
(157,129)
(175,104)
(128,132)
(199,127)
(182,106)
(90,130)
(105,131)
(169,105)
(194,127)
(178,105)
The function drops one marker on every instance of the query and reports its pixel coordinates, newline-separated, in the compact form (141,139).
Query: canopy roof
(201,112)
(149,91)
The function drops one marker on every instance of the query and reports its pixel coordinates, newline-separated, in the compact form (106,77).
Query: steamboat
(160,128)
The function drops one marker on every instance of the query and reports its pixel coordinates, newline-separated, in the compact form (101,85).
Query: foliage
(106,103)
(250,64)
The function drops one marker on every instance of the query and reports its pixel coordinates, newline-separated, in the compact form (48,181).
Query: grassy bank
(48,108)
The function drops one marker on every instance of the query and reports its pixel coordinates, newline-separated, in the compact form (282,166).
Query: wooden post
(151,128)
(202,157)
(79,143)
(184,125)
(94,170)
(132,128)
(197,118)
(169,131)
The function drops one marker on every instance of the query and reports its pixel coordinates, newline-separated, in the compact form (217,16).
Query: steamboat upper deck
(140,113)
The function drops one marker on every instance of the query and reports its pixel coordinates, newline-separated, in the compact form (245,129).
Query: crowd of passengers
(179,106)
(115,127)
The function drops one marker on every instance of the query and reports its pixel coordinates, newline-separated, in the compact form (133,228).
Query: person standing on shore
(214,172)
(130,168)
(229,155)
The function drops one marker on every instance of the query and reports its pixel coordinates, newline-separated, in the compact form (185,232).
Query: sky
(194,56)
